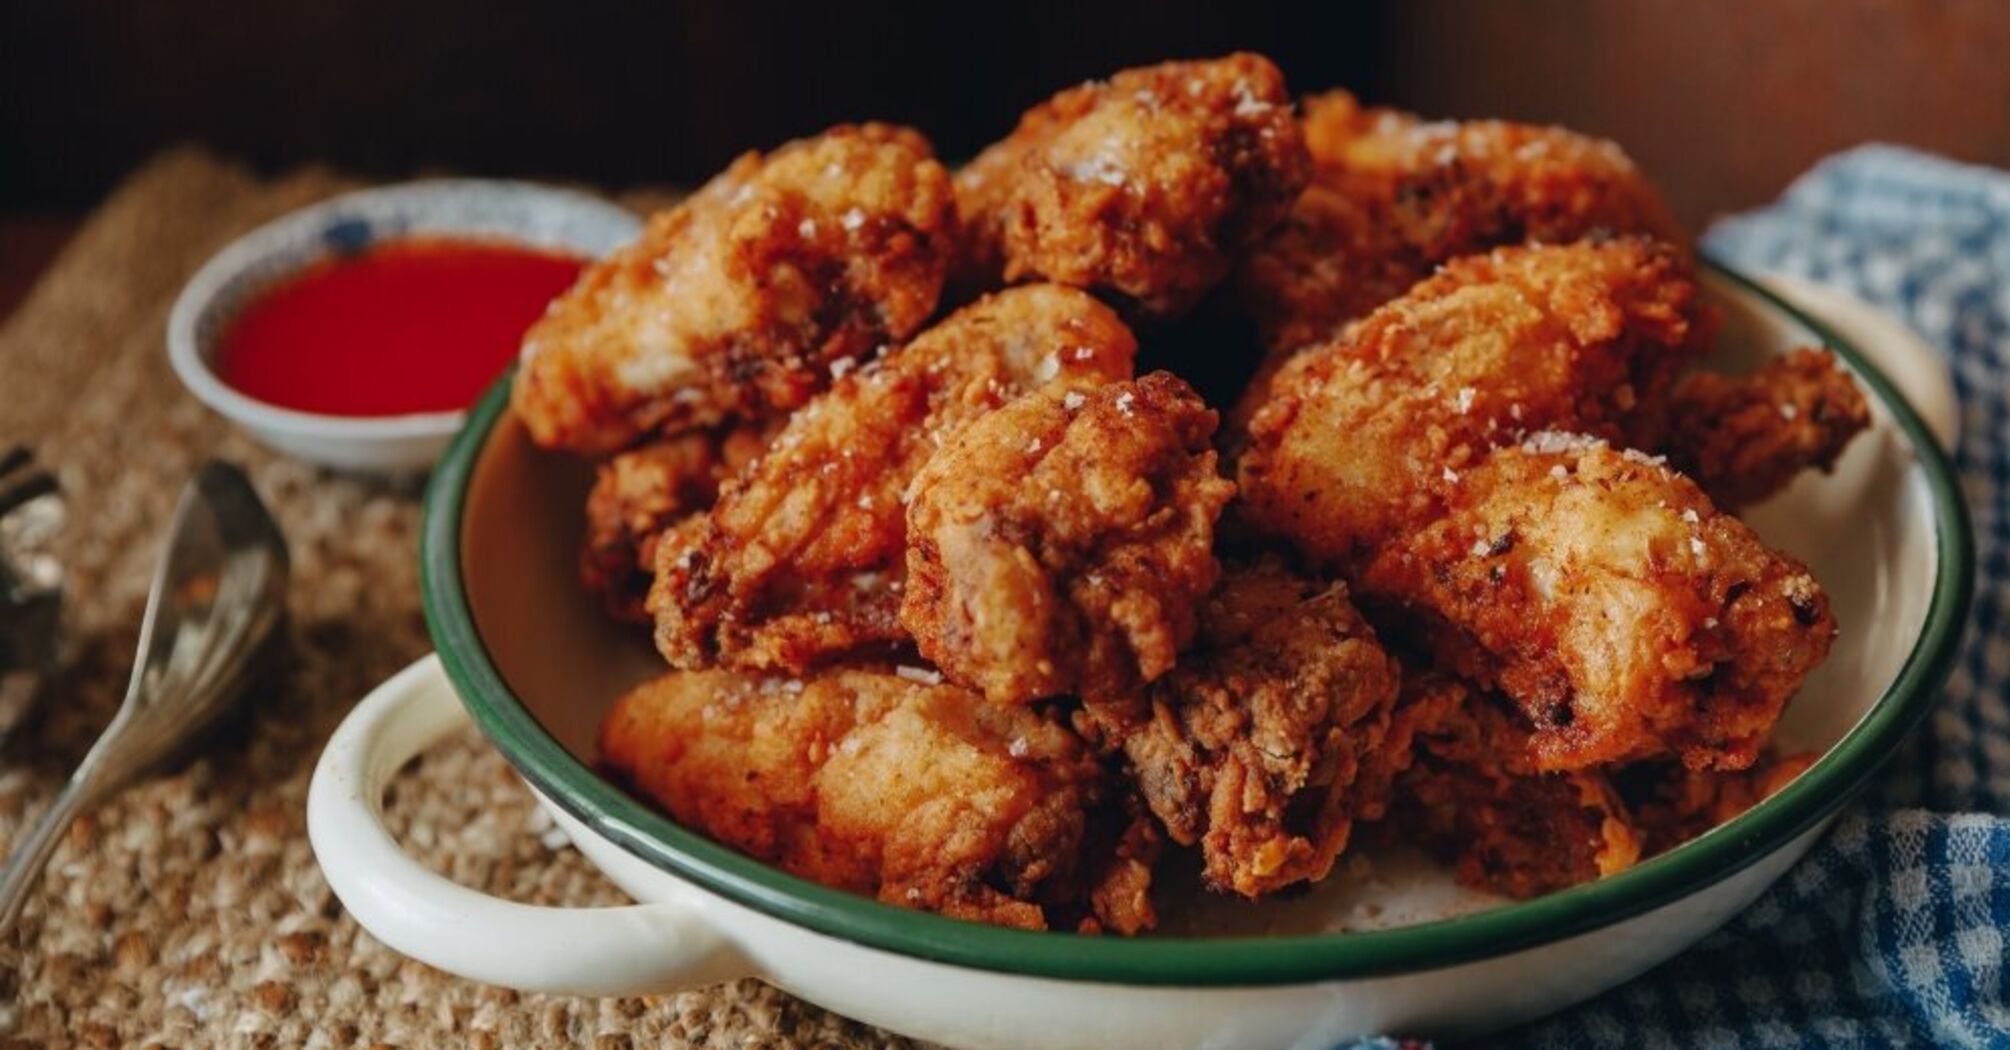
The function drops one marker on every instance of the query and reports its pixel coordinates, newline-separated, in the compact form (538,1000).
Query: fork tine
(20,490)
(14,459)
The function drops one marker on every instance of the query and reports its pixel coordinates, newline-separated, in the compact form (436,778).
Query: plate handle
(636,949)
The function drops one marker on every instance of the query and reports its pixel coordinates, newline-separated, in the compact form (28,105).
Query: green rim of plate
(1205,962)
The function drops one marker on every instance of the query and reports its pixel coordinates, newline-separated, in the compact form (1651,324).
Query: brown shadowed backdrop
(1724,101)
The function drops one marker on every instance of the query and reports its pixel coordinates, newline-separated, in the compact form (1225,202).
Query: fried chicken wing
(922,795)
(1461,187)
(1625,616)
(1361,437)
(1266,750)
(1743,438)
(801,560)
(735,303)
(1672,804)
(1340,252)
(1060,544)
(1144,187)
(1335,258)
(639,494)
(1472,797)
(1392,198)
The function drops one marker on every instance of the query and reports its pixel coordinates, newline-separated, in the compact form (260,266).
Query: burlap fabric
(189,912)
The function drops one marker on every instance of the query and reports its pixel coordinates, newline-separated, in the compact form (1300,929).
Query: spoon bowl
(217,597)
(218,594)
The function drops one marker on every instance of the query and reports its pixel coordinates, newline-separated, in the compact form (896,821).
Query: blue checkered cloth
(1892,931)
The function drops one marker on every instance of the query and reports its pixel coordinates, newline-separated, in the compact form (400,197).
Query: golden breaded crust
(735,303)
(1743,438)
(1251,593)
(1361,436)
(801,560)
(1339,253)
(1337,256)
(640,493)
(1625,616)
(921,795)
(1471,798)
(1144,187)
(1672,803)
(1392,197)
(1061,544)
(1332,121)
(1265,752)
(1466,186)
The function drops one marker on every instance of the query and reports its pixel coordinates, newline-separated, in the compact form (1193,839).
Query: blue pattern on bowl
(348,236)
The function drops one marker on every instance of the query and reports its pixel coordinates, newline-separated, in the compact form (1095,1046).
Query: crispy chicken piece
(1625,616)
(640,493)
(1340,252)
(1334,122)
(1672,804)
(1463,187)
(1144,187)
(1266,750)
(1472,797)
(922,795)
(1743,438)
(1362,438)
(801,561)
(1254,589)
(1336,258)
(988,184)
(1392,198)
(1060,544)
(737,302)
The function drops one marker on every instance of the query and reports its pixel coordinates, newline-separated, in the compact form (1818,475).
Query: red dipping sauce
(410,325)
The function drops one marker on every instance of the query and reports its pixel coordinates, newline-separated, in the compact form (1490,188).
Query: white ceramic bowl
(531,657)
(517,212)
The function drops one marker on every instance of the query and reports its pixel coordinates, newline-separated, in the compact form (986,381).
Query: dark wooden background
(1723,101)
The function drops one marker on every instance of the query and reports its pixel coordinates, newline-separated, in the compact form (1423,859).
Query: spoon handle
(31,855)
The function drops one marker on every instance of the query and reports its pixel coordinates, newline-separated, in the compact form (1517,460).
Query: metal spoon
(219,592)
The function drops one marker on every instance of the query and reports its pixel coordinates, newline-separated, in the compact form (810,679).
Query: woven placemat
(189,911)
